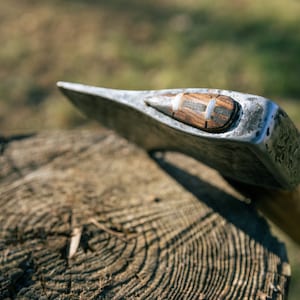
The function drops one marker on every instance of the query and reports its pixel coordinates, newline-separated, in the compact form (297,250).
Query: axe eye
(209,112)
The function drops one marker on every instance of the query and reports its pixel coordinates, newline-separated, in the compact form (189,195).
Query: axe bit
(247,138)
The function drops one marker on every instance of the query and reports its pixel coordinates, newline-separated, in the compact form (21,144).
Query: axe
(249,139)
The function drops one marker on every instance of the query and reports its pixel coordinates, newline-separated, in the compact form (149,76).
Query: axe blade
(260,145)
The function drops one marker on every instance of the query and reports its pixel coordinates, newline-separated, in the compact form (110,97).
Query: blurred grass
(240,45)
(249,46)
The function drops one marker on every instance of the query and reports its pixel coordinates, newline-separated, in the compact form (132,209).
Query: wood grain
(223,111)
(162,228)
(209,112)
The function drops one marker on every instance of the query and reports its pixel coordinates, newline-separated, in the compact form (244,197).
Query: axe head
(245,137)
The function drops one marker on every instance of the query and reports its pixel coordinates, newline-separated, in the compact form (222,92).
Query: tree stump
(86,215)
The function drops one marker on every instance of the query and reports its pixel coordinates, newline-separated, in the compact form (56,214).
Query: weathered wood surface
(86,215)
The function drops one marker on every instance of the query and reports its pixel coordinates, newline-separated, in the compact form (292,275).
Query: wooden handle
(209,112)
(280,206)
(283,208)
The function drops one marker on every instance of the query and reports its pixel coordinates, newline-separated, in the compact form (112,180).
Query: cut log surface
(86,215)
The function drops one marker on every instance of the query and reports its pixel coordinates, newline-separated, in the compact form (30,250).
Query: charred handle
(281,206)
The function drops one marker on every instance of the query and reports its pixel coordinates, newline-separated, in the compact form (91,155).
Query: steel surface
(260,148)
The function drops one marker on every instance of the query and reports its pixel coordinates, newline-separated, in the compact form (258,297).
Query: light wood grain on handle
(283,208)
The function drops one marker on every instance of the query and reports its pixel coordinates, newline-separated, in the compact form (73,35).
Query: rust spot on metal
(208,112)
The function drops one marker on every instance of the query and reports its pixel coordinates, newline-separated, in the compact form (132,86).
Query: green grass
(249,46)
